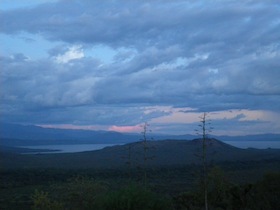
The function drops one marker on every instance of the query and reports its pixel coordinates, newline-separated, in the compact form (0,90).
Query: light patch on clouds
(229,122)
(152,109)
(245,115)
(115,128)
(165,109)
(178,115)
(261,115)
(102,52)
(73,53)
(214,71)
(126,129)
(178,62)
(186,120)
(73,127)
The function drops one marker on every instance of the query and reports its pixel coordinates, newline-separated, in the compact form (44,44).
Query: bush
(266,193)
(134,197)
(82,193)
(41,201)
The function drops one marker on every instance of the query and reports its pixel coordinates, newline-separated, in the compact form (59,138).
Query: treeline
(84,193)
(178,188)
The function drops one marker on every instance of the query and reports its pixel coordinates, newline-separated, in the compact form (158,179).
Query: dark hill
(21,135)
(160,153)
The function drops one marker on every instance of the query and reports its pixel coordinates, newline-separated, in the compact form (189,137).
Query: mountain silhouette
(159,154)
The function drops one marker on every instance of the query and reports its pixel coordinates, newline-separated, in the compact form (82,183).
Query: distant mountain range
(21,135)
(164,153)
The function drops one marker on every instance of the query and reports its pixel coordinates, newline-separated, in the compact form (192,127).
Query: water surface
(91,147)
(255,144)
(69,148)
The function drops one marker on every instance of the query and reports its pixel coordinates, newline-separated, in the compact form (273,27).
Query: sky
(116,64)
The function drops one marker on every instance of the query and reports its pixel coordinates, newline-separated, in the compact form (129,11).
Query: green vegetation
(169,188)
(133,197)
(236,179)
(41,201)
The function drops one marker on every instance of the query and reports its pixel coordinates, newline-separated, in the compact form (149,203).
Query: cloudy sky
(113,65)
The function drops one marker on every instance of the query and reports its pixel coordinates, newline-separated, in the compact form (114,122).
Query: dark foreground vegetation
(119,178)
(231,186)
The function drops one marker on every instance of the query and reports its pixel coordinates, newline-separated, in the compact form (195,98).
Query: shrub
(82,193)
(134,197)
(41,201)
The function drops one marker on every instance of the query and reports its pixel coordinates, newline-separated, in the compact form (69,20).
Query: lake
(68,148)
(255,144)
(91,147)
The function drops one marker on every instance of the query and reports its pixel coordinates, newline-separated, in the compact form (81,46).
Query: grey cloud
(149,58)
(83,82)
(77,115)
(145,23)
(212,56)
(214,28)
(58,50)
(45,83)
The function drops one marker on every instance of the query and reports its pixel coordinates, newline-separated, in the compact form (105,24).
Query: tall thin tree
(204,130)
(145,148)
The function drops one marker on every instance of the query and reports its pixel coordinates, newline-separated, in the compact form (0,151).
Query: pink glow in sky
(74,127)
(126,129)
(121,129)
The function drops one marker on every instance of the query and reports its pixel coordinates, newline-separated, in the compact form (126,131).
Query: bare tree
(204,130)
(145,147)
